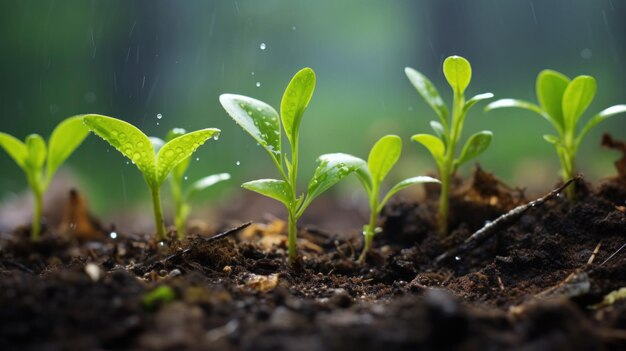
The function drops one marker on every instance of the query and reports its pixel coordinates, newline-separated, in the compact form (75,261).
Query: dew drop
(216,137)
(159,116)
(262,46)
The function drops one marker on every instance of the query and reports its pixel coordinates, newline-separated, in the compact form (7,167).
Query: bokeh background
(137,59)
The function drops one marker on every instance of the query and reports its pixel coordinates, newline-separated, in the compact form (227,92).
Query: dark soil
(528,287)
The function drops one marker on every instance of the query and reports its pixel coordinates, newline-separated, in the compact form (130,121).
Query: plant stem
(36,226)
(293,234)
(179,218)
(368,235)
(158,213)
(444,203)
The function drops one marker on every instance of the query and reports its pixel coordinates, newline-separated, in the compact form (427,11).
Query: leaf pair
(383,156)
(40,161)
(33,154)
(142,151)
(136,146)
(562,102)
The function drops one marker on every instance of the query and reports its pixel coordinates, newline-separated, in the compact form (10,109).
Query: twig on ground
(502,222)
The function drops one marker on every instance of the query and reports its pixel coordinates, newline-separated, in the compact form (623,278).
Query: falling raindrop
(159,116)
(586,54)
(113,235)
(186,177)
(197,158)
(252,73)
(263,46)
(293,28)
(237,163)
(457,258)
(258,84)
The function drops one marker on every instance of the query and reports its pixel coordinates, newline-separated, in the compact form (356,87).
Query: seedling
(448,130)
(562,102)
(181,197)
(39,162)
(383,156)
(261,121)
(135,145)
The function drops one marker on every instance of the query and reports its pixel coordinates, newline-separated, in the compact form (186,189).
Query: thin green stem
(369,232)
(293,234)
(158,212)
(447,169)
(179,218)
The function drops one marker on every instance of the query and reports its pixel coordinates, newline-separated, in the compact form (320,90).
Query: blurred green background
(136,59)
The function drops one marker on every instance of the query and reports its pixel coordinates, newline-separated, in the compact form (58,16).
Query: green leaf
(551,86)
(37,152)
(295,100)
(525,105)
(331,169)
(475,145)
(458,72)
(179,170)
(429,93)
(477,98)
(65,138)
(433,144)
(439,130)
(206,182)
(128,140)
(604,114)
(179,149)
(577,97)
(273,188)
(403,185)
(15,148)
(257,118)
(552,139)
(383,156)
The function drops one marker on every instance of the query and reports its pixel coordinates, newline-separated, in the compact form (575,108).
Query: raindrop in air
(252,73)
(457,258)
(293,28)
(237,163)
(197,158)
(186,178)
(159,116)
(258,84)
(113,235)
(263,46)
(586,54)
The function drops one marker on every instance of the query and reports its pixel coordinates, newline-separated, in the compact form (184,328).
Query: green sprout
(181,197)
(135,145)
(39,162)
(261,121)
(448,130)
(562,102)
(383,156)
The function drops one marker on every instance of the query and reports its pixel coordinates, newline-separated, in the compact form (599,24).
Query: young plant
(448,130)
(562,102)
(261,121)
(39,162)
(383,156)
(135,145)
(181,197)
